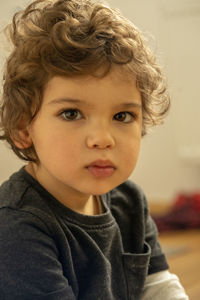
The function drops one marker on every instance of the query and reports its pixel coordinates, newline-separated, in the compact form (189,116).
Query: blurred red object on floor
(184,214)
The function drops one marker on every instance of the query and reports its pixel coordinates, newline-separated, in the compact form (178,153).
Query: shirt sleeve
(29,260)
(163,285)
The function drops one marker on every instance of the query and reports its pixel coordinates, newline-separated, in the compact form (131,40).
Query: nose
(100,138)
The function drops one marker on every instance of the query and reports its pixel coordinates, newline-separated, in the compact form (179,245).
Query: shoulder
(20,193)
(129,207)
(25,218)
(12,190)
(129,195)
(22,206)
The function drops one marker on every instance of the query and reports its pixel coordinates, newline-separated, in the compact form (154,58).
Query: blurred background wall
(169,162)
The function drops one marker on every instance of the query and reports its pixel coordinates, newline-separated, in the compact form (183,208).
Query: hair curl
(73,37)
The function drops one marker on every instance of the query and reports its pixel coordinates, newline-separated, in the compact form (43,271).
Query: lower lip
(101,171)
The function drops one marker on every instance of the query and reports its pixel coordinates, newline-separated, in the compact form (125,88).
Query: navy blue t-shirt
(49,252)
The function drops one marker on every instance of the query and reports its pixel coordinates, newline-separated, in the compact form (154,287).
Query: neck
(76,201)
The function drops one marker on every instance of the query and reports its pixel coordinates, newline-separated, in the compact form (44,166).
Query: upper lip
(101,163)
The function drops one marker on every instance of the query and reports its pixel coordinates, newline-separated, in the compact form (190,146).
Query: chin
(101,189)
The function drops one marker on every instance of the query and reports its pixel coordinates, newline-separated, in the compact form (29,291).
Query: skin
(68,135)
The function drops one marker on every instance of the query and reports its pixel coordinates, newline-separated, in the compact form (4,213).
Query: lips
(101,168)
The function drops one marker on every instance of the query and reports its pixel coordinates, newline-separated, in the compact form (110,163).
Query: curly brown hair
(69,38)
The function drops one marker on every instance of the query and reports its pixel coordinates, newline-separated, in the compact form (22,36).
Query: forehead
(116,86)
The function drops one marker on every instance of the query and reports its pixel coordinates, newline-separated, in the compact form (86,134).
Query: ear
(22,140)
(21,136)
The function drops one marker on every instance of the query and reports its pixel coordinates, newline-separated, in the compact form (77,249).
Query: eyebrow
(67,100)
(84,103)
(129,105)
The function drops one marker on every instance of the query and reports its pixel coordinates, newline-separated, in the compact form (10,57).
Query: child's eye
(124,116)
(71,114)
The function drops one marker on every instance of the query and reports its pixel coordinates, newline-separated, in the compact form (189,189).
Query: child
(80,89)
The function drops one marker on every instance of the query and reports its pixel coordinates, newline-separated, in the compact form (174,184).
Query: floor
(183,253)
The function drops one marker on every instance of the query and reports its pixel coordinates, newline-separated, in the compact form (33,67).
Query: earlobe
(22,139)
(21,135)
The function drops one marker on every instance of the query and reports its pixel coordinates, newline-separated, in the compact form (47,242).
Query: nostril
(100,141)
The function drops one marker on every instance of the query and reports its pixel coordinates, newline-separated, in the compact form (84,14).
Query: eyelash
(62,114)
(71,110)
(128,113)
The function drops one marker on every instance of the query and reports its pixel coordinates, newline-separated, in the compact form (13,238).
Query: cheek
(131,152)
(60,148)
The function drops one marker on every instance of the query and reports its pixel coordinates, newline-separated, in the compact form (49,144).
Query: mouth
(101,168)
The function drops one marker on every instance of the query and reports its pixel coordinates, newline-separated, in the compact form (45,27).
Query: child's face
(87,134)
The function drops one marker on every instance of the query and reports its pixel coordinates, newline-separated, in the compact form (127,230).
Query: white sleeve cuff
(163,285)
